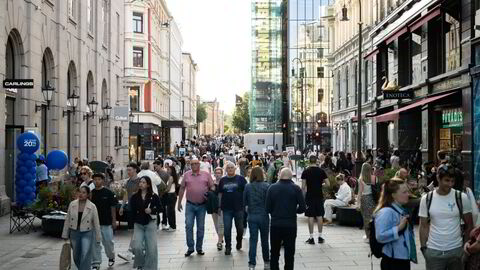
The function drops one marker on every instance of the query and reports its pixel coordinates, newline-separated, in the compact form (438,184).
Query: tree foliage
(201,113)
(241,115)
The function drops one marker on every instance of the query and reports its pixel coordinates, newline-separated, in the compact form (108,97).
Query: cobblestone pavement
(344,249)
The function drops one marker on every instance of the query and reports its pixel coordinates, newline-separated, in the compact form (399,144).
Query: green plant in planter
(49,200)
(388,174)
(329,191)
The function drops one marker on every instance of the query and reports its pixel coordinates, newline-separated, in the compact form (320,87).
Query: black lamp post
(359,158)
(72,102)
(92,106)
(47,92)
(107,110)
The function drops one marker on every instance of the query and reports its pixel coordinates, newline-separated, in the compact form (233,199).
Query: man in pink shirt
(196,183)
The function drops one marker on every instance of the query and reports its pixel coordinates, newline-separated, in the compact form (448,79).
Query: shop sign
(120,114)
(452,118)
(18,83)
(397,94)
(453,83)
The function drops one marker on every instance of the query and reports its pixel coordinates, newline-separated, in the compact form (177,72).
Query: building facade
(268,100)
(189,90)
(344,65)
(213,125)
(73,46)
(309,81)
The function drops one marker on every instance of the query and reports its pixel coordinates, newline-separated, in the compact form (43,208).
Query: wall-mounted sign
(397,94)
(18,83)
(452,118)
(453,83)
(120,114)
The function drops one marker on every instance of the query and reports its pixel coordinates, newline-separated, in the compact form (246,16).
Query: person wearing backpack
(441,213)
(392,237)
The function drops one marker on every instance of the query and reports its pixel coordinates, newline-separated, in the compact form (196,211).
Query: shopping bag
(66,257)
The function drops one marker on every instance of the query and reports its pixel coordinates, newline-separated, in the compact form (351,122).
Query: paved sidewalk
(344,249)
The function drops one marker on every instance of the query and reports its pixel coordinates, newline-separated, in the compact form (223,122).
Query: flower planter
(53,224)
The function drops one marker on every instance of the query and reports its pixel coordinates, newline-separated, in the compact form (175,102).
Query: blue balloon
(27,177)
(30,163)
(57,160)
(33,157)
(22,183)
(23,156)
(21,197)
(28,189)
(33,170)
(28,142)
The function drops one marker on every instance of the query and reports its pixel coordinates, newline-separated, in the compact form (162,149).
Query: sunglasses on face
(83,173)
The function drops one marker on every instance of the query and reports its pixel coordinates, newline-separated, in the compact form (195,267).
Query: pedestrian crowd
(259,193)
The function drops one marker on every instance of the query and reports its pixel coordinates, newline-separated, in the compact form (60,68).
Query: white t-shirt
(445,232)
(205,166)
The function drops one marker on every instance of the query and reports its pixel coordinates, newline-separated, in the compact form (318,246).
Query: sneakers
(170,229)
(251,267)
(310,241)
(228,251)
(126,256)
(188,253)
(219,246)
(111,262)
(164,227)
(96,267)
(266,265)
(200,252)
(239,245)
(321,240)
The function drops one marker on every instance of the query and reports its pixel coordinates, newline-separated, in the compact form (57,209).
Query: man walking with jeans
(196,183)
(230,193)
(106,203)
(441,213)
(284,202)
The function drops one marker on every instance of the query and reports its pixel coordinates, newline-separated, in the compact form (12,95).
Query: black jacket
(138,206)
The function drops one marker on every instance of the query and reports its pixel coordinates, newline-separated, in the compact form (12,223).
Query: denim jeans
(145,239)
(450,259)
(195,212)
(82,245)
(258,223)
(288,236)
(107,242)
(228,215)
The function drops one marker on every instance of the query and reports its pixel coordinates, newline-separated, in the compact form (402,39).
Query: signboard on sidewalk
(149,155)
(290,150)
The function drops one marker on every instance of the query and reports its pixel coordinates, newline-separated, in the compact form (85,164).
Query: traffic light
(156,138)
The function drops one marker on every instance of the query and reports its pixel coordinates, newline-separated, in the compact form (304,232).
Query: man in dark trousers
(284,201)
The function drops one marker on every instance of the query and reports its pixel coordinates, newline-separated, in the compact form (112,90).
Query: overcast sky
(217,34)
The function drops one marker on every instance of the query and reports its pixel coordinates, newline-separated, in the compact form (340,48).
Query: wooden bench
(349,216)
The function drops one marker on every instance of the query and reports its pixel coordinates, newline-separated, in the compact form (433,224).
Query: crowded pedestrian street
(344,249)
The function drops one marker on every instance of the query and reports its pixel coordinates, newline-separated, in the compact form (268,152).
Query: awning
(424,19)
(173,124)
(393,115)
(371,54)
(395,35)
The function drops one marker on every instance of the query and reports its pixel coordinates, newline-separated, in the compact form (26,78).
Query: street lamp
(92,107)
(72,101)
(359,159)
(302,75)
(47,92)
(106,113)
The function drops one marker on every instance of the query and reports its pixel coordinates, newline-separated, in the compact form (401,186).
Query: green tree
(241,115)
(201,113)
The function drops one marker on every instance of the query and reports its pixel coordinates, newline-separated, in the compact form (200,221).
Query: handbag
(66,257)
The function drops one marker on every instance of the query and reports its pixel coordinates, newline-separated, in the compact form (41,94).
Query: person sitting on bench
(343,196)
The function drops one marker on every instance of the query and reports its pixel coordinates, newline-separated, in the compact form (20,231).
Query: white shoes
(164,227)
(128,256)
(170,229)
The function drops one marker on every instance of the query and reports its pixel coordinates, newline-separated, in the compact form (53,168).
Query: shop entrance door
(11,152)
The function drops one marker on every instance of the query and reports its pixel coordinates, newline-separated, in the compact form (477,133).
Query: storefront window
(452,42)
(451,130)
(134,95)
(417,56)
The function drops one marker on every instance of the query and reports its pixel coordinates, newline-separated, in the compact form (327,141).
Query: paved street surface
(344,249)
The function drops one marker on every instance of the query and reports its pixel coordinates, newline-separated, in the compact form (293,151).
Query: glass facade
(309,78)
(267,61)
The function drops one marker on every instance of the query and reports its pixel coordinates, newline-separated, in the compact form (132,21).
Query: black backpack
(375,246)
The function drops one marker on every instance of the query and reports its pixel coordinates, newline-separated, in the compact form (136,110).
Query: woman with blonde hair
(365,200)
(392,228)
(254,197)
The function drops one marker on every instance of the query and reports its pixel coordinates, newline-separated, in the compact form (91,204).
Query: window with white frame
(72,8)
(90,15)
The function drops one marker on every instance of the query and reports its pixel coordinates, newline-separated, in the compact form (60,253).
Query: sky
(218,35)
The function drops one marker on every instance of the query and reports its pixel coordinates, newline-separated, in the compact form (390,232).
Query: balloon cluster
(28,143)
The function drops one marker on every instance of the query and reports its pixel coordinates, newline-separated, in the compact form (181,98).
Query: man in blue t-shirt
(230,193)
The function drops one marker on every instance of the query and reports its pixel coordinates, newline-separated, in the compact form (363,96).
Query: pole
(302,108)
(274,122)
(359,159)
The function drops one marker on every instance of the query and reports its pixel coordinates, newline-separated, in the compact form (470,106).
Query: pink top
(196,185)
